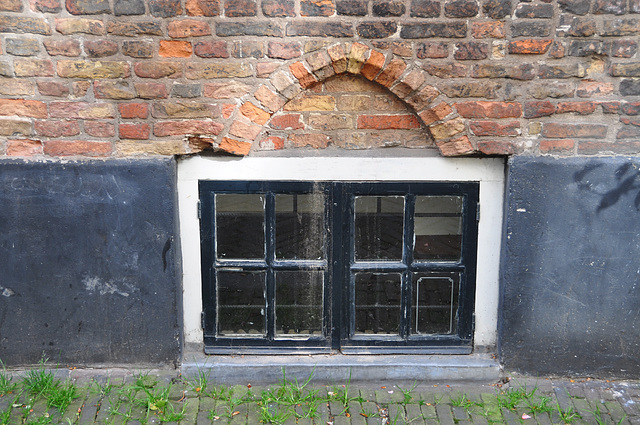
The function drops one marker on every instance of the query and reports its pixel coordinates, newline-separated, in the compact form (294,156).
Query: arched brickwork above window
(404,78)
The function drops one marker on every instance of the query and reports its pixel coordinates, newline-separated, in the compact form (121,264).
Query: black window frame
(339,267)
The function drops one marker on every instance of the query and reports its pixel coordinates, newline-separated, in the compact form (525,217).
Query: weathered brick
(126,148)
(62,47)
(621,48)
(234,147)
(576,27)
(118,90)
(239,8)
(186,90)
(616,7)
(278,8)
(181,128)
(5,69)
(561,71)
(529,47)
(226,90)
(331,121)
(620,27)
(497,147)
(536,109)
(15,127)
(284,50)
(565,130)
(621,148)
(46,6)
(378,29)
(63,128)
(489,109)
(516,72)
(581,108)
(53,88)
(22,46)
(577,7)
(630,69)
(247,49)
(285,85)
(557,146)
(286,122)
(128,7)
(88,7)
(254,113)
(158,69)
(93,70)
(351,7)
(272,143)
(268,98)
(151,90)
(245,130)
(338,29)
(211,49)
(175,49)
(461,9)
(630,87)
(311,102)
(530,29)
(99,49)
(165,8)
(188,28)
(184,109)
(408,84)
(102,129)
(339,58)
(390,73)
(17,87)
(24,147)
(23,108)
(491,29)
(447,129)
(133,110)
(316,141)
(33,68)
(589,88)
(203,7)
(583,48)
(387,122)
(534,11)
(631,108)
(134,131)
(11,6)
(497,9)
(81,110)
(373,65)
(471,89)
(553,89)
(423,98)
(196,71)
(400,48)
(134,29)
(437,29)
(256,29)
(305,78)
(493,128)
(77,148)
(557,50)
(317,7)
(432,50)
(22,25)
(447,70)
(611,107)
(320,64)
(80,88)
(470,50)
(425,8)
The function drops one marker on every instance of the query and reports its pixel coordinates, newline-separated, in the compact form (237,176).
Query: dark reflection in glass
(377,303)
(241,303)
(435,303)
(438,228)
(378,227)
(299,296)
(239,226)
(300,227)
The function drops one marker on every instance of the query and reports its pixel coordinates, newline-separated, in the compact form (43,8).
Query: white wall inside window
(488,171)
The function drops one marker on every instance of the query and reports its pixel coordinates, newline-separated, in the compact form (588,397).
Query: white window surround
(488,171)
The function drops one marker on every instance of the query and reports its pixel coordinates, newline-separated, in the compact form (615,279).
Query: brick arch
(405,79)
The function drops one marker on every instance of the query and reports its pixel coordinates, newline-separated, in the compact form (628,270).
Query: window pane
(378,227)
(377,298)
(438,228)
(299,296)
(239,226)
(300,226)
(241,303)
(435,303)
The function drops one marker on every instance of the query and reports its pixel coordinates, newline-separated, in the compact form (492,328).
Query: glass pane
(299,297)
(377,301)
(241,303)
(378,227)
(239,226)
(435,303)
(300,226)
(438,228)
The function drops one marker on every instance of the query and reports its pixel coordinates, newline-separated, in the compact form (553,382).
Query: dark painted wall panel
(88,262)
(571,267)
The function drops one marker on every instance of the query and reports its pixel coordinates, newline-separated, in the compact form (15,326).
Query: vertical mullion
(339,267)
(270,242)
(207,224)
(407,259)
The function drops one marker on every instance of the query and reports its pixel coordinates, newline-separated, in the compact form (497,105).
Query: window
(356,267)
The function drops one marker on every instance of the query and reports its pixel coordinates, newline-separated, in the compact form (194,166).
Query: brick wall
(119,78)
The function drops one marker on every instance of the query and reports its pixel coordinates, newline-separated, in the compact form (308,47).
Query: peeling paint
(95,284)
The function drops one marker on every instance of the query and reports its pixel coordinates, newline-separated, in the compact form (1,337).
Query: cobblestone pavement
(152,397)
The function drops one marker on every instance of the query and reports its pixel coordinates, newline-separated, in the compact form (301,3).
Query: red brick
(265,69)
(269,99)
(50,128)
(316,141)
(611,107)
(151,90)
(24,147)
(582,108)
(455,147)
(53,88)
(99,128)
(134,131)
(182,128)
(284,50)
(255,114)
(565,131)
(536,109)
(81,110)
(133,110)
(496,147)
(493,128)
(437,113)
(77,148)
(175,49)
(305,78)
(590,88)
(62,47)
(529,47)
(491,29)
(557,146)
(203,7)
(387,122)
(623,148)
(391,72)
(23,108)
(244,130)
(188,28)
(101,48)
(235,147)
(272,143)
(373,65)
(211,49)
(286,122)
(238,8)
(155,69)
(227,110)
(489,109)
(226,90)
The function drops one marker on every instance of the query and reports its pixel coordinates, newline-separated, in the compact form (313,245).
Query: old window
(350,266)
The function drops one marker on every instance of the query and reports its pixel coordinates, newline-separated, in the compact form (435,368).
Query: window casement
(384,267)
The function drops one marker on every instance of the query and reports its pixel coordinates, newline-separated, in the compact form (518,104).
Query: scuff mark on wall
(7,292)
(95,284)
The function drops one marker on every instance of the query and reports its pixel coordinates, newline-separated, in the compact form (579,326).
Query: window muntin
(363,290)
